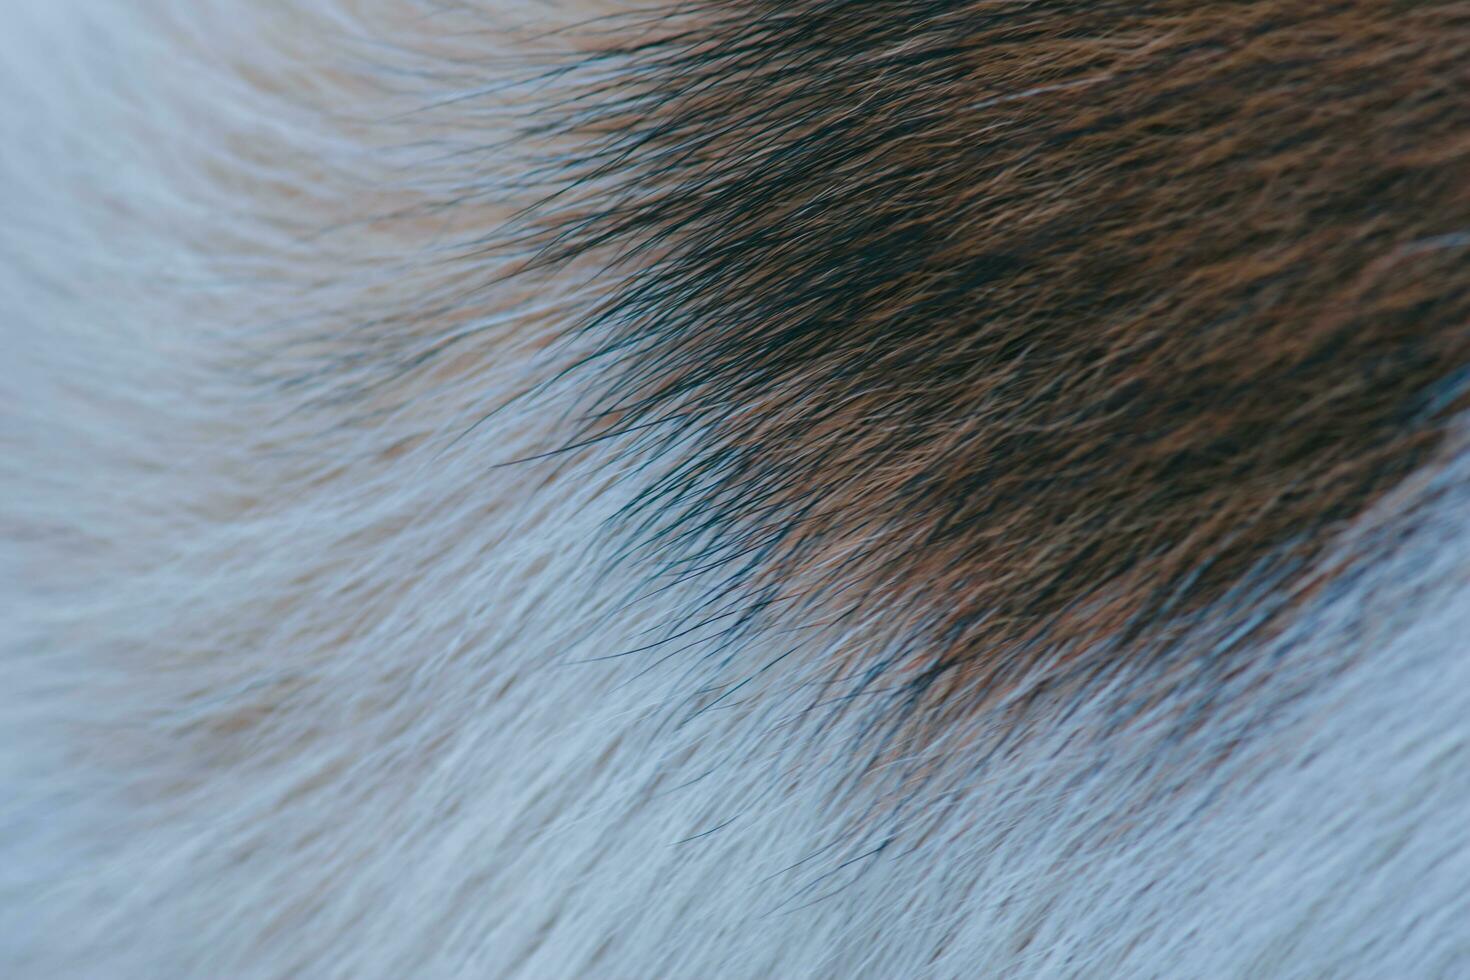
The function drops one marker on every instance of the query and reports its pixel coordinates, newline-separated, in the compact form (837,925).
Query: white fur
(298,683)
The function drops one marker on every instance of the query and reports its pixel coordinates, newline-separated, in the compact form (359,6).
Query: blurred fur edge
(527,489)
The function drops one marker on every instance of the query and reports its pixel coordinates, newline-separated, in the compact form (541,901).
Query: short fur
(734,489)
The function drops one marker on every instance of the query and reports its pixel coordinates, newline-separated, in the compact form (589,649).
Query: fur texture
(734,489)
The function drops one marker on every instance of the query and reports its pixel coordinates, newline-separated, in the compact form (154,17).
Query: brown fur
(1040,326)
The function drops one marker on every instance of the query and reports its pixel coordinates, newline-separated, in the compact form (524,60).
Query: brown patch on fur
(1037,325)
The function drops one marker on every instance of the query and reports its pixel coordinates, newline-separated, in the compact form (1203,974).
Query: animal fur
(736,489)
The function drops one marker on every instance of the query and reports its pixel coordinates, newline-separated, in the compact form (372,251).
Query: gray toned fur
(300,683)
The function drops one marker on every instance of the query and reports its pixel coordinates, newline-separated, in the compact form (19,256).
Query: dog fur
(887,489)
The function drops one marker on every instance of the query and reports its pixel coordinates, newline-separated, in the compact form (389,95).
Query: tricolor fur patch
(516,488)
